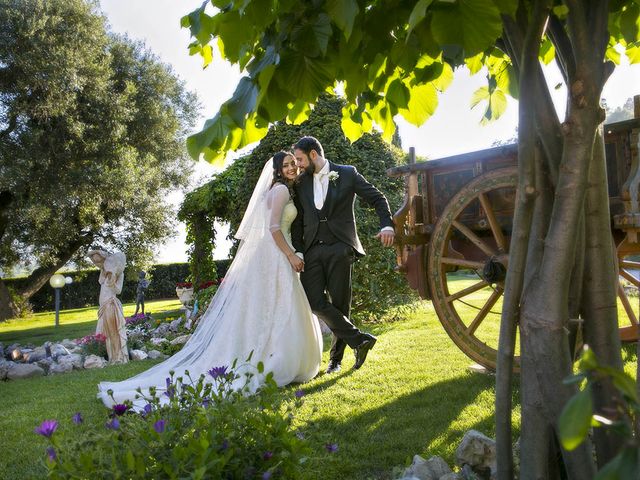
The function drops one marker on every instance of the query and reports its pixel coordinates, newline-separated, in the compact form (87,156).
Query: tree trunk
(599,306)
(8,309)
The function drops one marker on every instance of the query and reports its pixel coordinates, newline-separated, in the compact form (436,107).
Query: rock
(24,370)
(180,340)
(35,355)
(58,350)
(94,361)
(153,354)
(1,351)
(73,359)
(138,355)
(158,341)
(188,323)
(431,469)
(69,344)
(76,350)
(16,354)
(45,364)
(451,476)
(4,368)
(175,325)
(57,368)
(162,330)
(479,452)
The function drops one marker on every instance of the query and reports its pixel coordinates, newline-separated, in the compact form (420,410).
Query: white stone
(68,343)
(45,364)
(138,355)
(173,326)
(451,476)
(34,355)
(153,354)
(56,368)
(94,361)
(162,330)
(4,368)
(74,359)
(24,370)
(59,350)
(478,451)
(158,341)
(180,340)
(431,469)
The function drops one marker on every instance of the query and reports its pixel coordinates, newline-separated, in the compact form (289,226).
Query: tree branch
(562,44)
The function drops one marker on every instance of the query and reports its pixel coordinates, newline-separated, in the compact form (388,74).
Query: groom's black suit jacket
(338,208)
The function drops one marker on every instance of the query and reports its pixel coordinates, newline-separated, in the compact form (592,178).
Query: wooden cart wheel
(468,256)
(628,289)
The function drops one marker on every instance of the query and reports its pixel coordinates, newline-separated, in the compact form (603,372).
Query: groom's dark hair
(306,144)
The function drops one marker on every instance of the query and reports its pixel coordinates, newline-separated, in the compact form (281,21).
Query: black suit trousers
(327,282)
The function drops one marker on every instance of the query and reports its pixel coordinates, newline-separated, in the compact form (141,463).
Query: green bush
(206,429)
(376,286)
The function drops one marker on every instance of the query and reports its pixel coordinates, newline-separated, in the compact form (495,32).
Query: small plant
(203,428)
(94,345)
(578,417)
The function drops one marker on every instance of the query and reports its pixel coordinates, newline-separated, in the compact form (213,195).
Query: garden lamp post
(57,281)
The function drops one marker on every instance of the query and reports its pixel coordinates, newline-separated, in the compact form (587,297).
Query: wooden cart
(454,228)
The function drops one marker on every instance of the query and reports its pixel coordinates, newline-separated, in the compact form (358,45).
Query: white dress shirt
(321,185)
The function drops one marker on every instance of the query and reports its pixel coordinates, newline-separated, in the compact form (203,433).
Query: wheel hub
(494,271)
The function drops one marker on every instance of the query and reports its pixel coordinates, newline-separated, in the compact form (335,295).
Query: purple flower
(77,418)
(224,446)
(114,424)
(170,388)
(160,425)
(267,455)
(46,428)
(206,401)
(331,447)
(217,372)
(120,409)
(146,410)
(299,393)
(266,475)
(51,454)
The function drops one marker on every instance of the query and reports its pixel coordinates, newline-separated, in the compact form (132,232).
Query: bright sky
(453,129)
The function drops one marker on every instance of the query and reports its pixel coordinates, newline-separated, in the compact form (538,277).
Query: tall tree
(92,130)
(393,57)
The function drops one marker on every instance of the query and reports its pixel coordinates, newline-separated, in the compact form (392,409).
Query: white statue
(111,321)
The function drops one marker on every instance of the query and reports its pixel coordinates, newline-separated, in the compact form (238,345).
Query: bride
(260,306)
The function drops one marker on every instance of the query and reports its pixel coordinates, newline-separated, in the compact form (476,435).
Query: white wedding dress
(260,307)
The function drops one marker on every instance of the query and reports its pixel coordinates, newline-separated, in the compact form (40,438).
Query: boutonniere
(333,176)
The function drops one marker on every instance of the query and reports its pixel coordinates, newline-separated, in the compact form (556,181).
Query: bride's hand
(296,262)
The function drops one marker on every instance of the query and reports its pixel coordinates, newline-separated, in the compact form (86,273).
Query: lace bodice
(289,213)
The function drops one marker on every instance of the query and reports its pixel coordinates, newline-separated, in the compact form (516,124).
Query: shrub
(204,429)
(94,345)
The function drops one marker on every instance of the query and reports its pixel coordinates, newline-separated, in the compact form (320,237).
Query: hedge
(85,289)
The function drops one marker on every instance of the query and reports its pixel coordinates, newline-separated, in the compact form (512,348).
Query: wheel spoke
(630,264)
(462,293)
(627,306)
(630,278)
(493,223)
(461,262)
(484,310)
(477,241)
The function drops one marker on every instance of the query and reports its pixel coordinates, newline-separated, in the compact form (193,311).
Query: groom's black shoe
(363,349)
(333,367)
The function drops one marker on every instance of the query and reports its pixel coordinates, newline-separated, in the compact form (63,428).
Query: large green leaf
(355,128)
(575,419)
(422,104)
(547,51)
(495,106)
(243,101)
(625,465)
(343,13)
(475,25)
(398,94)
(633,53)
(417,15)
(211,136)
(630,23)
(305,77)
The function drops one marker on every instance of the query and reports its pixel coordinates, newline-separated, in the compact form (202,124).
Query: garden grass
(414,395)
(76,323)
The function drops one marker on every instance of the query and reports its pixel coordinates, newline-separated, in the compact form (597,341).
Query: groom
(325,233)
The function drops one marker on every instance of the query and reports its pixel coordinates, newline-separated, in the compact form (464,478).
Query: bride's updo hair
(278,162)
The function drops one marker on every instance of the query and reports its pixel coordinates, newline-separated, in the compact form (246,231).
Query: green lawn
(415,395)
(76,323)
